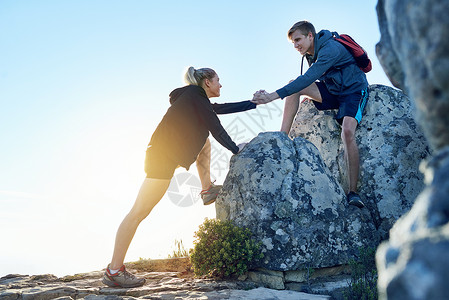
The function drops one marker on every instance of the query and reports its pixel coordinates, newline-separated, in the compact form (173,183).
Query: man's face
(302,43)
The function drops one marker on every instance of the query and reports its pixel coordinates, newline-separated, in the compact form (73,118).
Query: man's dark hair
(304,27)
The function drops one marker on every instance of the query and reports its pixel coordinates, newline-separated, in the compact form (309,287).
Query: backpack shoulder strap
(302,62)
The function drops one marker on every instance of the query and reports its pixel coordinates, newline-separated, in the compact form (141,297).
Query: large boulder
(291,193)
(391,147)
(284,193)
(414,263)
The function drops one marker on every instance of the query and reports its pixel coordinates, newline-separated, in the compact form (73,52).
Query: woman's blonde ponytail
(196,76)
(189,77)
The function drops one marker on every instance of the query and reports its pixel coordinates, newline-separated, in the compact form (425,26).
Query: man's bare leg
(352,159)
(292,104)
(290,109)
(351,151)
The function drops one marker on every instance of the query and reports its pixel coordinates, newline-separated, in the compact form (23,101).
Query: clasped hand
(262,97)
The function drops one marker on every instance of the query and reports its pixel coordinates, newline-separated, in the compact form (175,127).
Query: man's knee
(348,132)
(313,92)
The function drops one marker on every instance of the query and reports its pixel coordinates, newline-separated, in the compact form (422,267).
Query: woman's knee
(206,148)
(204,155)
(207,145)
(150,194)
(140,210)
(138,214)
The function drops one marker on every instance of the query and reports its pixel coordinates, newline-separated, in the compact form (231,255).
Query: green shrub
(363,284)
(222,249)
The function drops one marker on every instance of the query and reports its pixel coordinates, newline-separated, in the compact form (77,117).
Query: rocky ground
(166,279)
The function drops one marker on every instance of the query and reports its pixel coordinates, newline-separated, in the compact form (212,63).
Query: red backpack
(359,54)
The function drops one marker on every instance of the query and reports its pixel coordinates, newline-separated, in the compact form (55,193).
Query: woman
(180,139)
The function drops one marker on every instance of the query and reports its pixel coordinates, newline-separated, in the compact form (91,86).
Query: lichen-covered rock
(414,35)
(391,147)
(283,192)
(414,263)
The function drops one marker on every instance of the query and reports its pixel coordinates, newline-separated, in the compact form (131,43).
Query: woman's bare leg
(203,165)
(151,192)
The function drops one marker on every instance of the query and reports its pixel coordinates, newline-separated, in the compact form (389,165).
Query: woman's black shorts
(158,165)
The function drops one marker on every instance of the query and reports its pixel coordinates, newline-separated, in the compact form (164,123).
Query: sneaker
(210,195)
(354,199)
(122,279)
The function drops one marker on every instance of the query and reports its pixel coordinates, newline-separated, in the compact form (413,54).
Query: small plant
(310,272)
(222,249)
(363,284)
(179,251)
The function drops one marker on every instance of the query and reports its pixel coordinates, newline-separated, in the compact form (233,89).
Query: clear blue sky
(83,85)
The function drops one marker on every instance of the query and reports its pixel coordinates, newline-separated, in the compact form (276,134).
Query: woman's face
(213,87)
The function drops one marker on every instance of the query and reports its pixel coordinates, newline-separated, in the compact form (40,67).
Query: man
(333,81)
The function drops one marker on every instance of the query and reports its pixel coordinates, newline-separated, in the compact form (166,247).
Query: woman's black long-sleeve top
(185,127)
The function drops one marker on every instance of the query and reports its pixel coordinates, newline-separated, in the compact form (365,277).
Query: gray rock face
(385,51)
(283,192)
(391,147)
(414,37)
(414,263)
